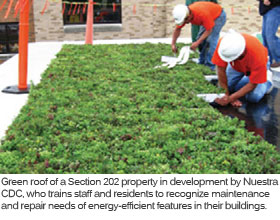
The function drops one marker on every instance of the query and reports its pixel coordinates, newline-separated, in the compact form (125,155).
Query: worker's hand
(266,2)
(174,48)
(194,45)
(223,101)
(236,103)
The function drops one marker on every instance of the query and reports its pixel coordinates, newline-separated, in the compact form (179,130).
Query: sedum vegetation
(105,109)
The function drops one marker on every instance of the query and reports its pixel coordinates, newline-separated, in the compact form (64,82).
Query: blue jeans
(271,22)
(207,48)
(237,80)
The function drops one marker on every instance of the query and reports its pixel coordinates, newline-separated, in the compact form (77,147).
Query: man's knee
(254,97)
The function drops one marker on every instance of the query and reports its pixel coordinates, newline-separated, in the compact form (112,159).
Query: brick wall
(49,26)
(242,15)
(147,22)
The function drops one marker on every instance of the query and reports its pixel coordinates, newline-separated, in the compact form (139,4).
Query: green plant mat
(105,109)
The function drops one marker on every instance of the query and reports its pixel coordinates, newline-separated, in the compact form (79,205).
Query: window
(9,38)
(105,12)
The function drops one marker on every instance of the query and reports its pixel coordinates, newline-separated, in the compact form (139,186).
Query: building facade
(59,20)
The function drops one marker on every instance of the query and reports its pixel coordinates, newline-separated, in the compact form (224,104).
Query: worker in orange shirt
(210,16)
(195,28)
(243,68)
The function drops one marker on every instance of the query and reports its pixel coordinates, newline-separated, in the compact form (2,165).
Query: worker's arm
(201,39)
(222,76)
(231,98)
(243,91)
(175,36)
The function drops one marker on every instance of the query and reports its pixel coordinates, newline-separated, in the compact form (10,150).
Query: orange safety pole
(89,29)
(23,44)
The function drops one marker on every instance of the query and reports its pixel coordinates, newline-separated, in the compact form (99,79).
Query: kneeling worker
(243,68)
(211,17)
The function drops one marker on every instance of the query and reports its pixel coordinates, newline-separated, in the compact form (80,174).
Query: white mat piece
(209,78)
(210,97)
(196,60)
(171,62)
(168,59)
(184,55)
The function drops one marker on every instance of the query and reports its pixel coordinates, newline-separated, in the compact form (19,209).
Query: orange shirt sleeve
(180,26)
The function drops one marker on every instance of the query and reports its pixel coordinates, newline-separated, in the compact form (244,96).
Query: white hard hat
(180,12)
(232,46)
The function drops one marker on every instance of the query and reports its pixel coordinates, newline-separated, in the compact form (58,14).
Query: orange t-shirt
(253,64)
(204,14)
